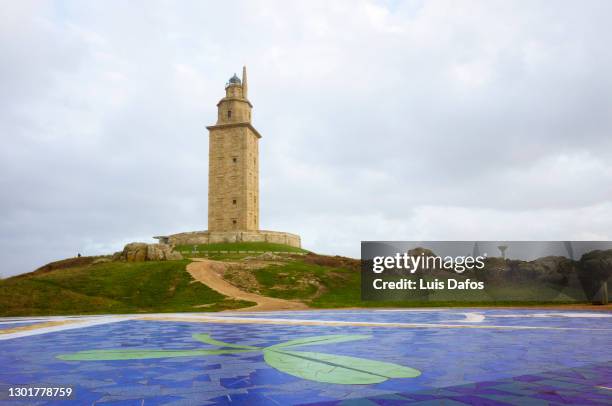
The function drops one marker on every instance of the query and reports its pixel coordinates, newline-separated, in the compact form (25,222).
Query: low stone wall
(210,237)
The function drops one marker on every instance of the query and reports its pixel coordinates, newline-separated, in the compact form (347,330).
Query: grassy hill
(82,286)
(93,285)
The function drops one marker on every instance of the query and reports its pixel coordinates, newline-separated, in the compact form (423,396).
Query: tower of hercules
(233,174)
(233,178)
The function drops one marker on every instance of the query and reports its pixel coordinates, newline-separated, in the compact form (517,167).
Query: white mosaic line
(470,317)
(246,320)
(556,314)
(441,309)
(74,323)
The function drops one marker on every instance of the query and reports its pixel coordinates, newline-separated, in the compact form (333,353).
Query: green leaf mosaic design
(314,366)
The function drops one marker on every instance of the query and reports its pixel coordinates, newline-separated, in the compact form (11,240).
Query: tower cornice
(230,125)
(240,99)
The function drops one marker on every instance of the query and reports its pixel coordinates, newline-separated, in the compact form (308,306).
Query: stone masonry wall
(233,156)
(208,237)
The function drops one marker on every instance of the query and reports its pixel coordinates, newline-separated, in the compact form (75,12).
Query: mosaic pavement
(359,357)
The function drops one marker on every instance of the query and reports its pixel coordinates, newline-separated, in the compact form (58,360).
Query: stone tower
(233,178)
(233,171)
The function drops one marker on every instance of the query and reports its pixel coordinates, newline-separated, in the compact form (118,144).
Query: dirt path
(210,273)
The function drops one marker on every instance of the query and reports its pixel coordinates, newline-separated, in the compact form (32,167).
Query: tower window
(229,114)
(234,201)
(234,159)
(234,221)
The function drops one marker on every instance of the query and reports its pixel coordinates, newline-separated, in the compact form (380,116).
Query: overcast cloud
(380,120)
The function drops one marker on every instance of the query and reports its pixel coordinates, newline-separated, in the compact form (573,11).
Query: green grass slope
(321,282)
(335,282)
(88,286)
(79,287)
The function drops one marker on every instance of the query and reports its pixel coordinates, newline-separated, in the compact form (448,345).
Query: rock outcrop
(595,270)
(140,251)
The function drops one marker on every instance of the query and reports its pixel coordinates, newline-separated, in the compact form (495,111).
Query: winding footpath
(210,273)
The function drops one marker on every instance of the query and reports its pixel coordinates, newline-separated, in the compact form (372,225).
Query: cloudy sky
(380,120)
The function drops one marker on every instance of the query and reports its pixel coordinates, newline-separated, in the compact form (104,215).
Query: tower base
(211,237)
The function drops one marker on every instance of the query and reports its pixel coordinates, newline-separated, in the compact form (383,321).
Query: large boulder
(140,251)
(135,252)
(155,252)
(597,264)
(594,271)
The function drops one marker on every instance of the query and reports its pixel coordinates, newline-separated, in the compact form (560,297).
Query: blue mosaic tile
(458,365)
